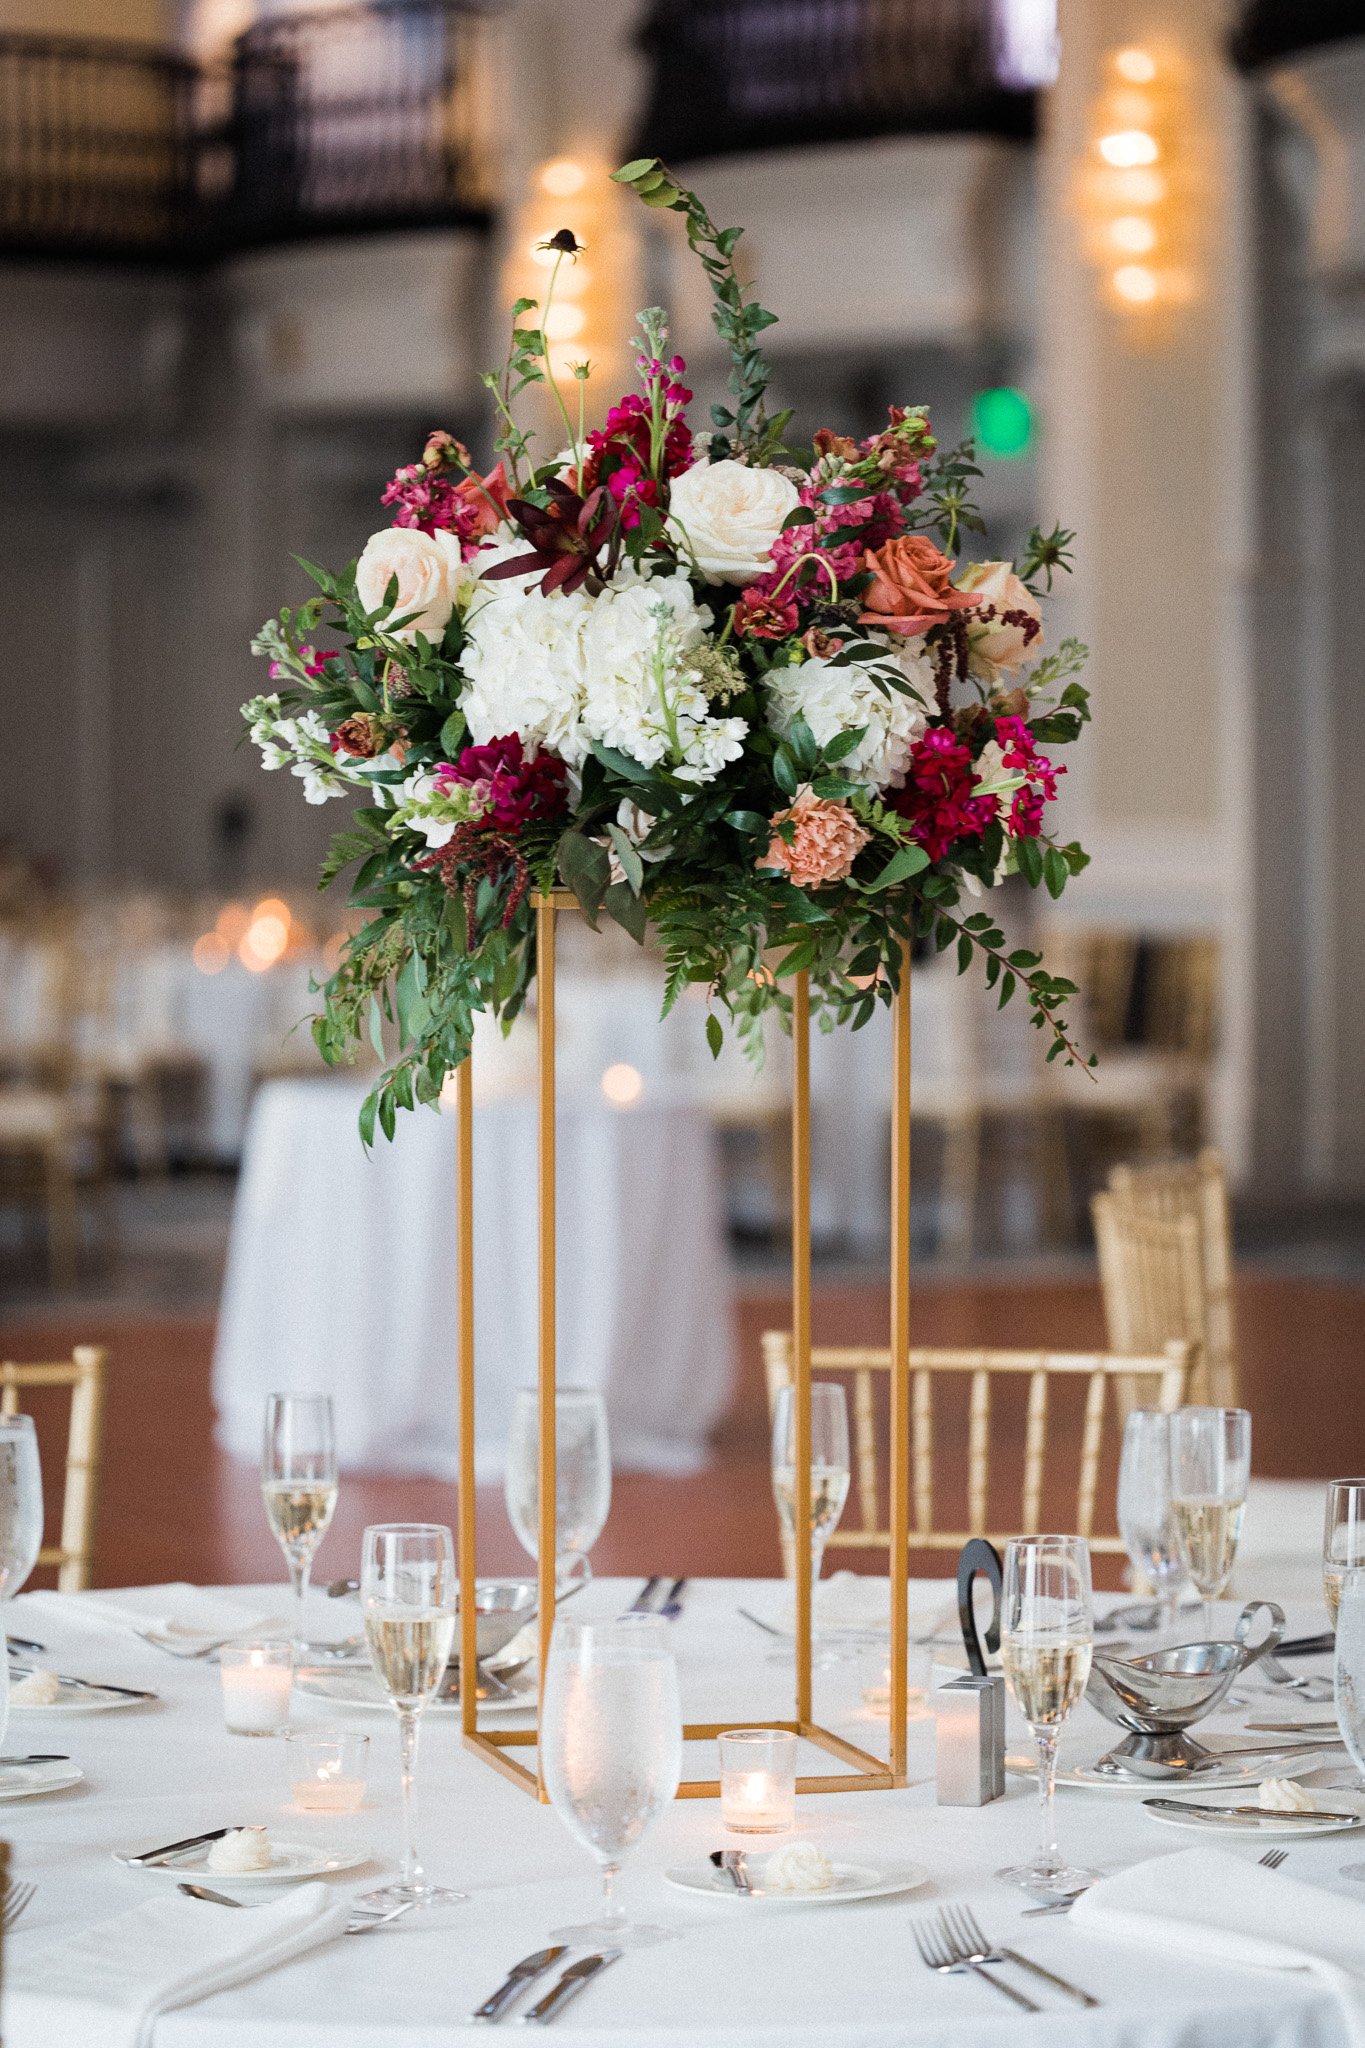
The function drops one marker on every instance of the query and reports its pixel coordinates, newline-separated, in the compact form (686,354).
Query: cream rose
(726,516)
(998,641)
(428,567)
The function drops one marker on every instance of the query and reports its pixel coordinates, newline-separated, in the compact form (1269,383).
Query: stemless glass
(611,1749)
(829,1465)
(582,1473)
(1146,1519)
(408,1594)
(1210,1474)
(299,1484)
(1343,1538)
(1046,1631)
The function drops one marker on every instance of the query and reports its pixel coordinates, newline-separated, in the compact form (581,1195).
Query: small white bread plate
(31,1781)
(1266,1823)
(74,1699)
(850,1881)
(360,1688)
(290,1863)
(1242,1772)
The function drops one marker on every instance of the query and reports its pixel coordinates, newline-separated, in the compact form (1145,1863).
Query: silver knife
(569,1986)
(126,1692)
(1049,1977)
(178,1848)
(673,1605)
(42,1757)
(1250,1815)
(517,1979)
(641,1603)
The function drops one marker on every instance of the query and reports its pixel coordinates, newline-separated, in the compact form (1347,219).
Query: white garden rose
(429,569)
(998,642)
(836,697)
(725,517)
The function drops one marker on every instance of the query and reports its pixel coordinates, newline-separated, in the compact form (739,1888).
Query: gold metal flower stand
(862,1772)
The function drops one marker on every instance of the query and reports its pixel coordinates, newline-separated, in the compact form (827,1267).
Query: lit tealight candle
(327,1769)
(758,1780)
(256,1684)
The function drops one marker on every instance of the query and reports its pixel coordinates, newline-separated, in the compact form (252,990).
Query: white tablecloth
(830,1977)
(341,1275)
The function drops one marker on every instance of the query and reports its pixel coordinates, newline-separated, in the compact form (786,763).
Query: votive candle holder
(328,1768)
(757,1780)
(257,1680)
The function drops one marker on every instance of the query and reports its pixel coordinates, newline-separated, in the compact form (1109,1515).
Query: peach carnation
(911,588)
(826,842)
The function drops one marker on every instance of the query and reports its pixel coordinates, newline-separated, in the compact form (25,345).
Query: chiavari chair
(84,1374)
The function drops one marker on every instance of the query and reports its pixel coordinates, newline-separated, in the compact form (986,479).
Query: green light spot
(1002,421)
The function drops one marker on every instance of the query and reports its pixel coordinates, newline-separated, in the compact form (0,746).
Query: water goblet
(1146,1518)
(1047,1630)
(582,1474)
(299,1485)
(21,1522)
(611,1750)
(1210,1475)
(1349,1680)
(1343,1538)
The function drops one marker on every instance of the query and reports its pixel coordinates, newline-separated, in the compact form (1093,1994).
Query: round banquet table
(793,1976)
(341,1275)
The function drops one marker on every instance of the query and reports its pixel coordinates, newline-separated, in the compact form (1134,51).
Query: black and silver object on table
(1156,1698)
(969,1713)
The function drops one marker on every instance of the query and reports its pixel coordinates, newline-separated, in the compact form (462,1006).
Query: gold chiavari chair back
(1165,1371)
(1164,1236)
(1195,1188)
(83,1373)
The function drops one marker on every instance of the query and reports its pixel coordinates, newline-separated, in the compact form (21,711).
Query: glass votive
(874,1676)
(757,1780)
(256,1681)
(327,1768)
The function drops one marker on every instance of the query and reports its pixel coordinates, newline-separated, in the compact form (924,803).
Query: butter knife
(178,1848)
(517,1979)
(1247,1815)
(125,1692)
(569,1986)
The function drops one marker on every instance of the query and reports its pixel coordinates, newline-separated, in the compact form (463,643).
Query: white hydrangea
(525,661)
(839,697)
(642,697)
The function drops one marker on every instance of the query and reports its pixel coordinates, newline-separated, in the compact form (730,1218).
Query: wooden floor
(173,1507)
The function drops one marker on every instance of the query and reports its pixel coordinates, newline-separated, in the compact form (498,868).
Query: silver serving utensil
(569,1986)
(1247,1816)
(1273,1858)
(201,1891)
(673,1605)
(171,1849)
(643,1603)
(1332,1728)
(1141,1615)
(964,1929)
(18,1899)
(735,1864)
(518,1979)
(125,1692)
(937,1954)
(1318,1690)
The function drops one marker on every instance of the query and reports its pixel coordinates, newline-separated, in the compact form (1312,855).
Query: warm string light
(1136,194)
(259,937)
(584,321)
(622,1084)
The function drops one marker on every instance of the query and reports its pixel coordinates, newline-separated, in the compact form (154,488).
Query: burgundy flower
(567,536)
(763,616)
(937,797)
(1021,757)
(516,787)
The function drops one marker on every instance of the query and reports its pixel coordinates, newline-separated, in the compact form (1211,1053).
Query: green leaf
(965,949)
(800,515)
(1029,855)
(388,1113)
(1054,871)
(628,910)
(752,822)
(586,869)
(376,1027)
(621,764)
(904,862)
(784,772)
(367,1110)
(844,743)
(631,863)
(452,734)
(715,1036)
(636,168)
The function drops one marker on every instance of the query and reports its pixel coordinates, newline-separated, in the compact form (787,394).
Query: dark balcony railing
(1271,30)
(735,75)
(325,122)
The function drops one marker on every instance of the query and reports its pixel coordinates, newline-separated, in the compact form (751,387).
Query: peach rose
(910,588)
(827,841)
(1010,622)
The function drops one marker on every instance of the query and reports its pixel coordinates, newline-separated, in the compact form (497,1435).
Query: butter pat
(39,1689)
(797,1867)
(243,1849)
(1285,1795)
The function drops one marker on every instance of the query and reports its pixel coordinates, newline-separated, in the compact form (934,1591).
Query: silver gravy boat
(1157,1697)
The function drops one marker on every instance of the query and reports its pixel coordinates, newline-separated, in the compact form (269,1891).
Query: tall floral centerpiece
(744,694)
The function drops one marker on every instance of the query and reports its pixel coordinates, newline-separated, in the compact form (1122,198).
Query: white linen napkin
(178,1617)
(111,1982)
(1221,1908)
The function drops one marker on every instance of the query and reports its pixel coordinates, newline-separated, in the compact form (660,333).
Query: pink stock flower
(313,664)
(515,787)
(428,498)
(937,799)
(824,845)
(1019,751)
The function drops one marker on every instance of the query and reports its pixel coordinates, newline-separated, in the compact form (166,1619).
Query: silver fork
(937,1954)
(1273,1858)
(1318,1690)
(965,1933)
(18,1899)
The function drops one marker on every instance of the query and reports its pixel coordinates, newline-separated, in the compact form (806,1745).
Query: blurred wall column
(1145,369)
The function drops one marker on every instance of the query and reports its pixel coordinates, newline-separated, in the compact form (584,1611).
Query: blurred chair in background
(1165,1374)
(1164,1236)
(74,1555)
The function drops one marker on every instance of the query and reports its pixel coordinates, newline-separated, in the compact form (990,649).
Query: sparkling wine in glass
(1046,1635)
(1146,1519)
(582,1474)
(1343,1538)
(829,1465)
(1210,1476)
(299,1484)
(611,1750)
(408,1597)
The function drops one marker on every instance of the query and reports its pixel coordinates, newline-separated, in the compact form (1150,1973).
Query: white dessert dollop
(243,1849)
(797,1867)
(39,1689)
(1284,1795)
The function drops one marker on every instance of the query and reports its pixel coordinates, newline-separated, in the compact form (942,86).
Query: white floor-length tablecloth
(794,1976)
(341,1275)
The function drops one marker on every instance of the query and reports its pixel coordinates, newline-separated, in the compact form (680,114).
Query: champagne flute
(829,1465)
(1046,1633)
(1343,1538)
(582,1473)
(21,1522)
(1146,1519)
(408,1596)
(299,1485)
(1210,1475)
(611,1750)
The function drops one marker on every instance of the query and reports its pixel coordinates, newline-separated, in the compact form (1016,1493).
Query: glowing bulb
(263,942)
(562,177)
(562,323)
(1138,188)
(210,953)
(1135,283)
(1137,66)
(622,1084)
(1128,147)
(272,906)
(232,921)
(1131,233)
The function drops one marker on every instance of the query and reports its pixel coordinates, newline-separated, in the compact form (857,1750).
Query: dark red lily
(566,537)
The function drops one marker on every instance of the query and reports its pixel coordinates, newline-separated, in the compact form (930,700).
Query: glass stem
(412,1873)
(612,1915)
(1208,1618)
(300,1571)
(1048,1858)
